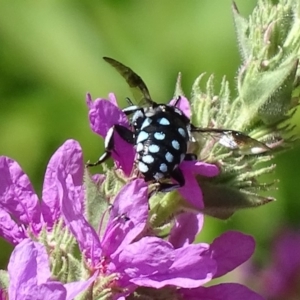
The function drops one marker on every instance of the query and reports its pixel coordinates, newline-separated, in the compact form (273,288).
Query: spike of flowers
(267,96)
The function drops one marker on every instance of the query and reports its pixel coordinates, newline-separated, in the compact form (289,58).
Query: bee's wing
(234,140)
(138,87)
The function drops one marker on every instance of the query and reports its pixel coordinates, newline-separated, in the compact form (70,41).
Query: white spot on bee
(146,123)
(108,136)
(153,148)
(162,107)
(163,121)
(191,137)
(131,108)
(138,114)
(143,167)
(182,132)
(175,145)
(169,157)
(163,168)
(139,147)
(142,136)
(178,111)
(158,176)
(182,156)
(148,159)
(159,135)
(149,112)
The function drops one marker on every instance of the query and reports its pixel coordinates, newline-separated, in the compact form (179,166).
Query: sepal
(4,281)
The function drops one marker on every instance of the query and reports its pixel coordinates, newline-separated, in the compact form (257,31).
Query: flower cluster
(108,236)
(278,276)
(121,254)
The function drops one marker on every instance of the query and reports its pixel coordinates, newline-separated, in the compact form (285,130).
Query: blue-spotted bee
(161,134)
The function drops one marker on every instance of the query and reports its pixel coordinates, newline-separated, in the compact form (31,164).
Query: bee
(161,134)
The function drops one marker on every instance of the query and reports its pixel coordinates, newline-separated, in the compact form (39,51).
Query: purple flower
(185,229)
(21,212)
(30,276)
(126,257)
(131,258)
(280,279)
(103,114)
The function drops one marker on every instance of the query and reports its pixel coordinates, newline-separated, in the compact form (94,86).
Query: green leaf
(277,106)
(222,201)
(100,195)
(266,94)
(96,202)
(242,32)
(4,281)
(178,87)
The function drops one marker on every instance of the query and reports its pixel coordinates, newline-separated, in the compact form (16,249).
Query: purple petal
(279,278)
(146,256)
(183,105)
(98,178)
(115,234)
(195,271)
(66,161)
(199,168)
(70,202)
(230,250)
(28,266)
(17,196)
(4,295)
(47,291)
(103,115)
(75,288)
(191,190)
(131,203)
(187,226)
(224,291)
(10,230)
(287,249)
(112,99)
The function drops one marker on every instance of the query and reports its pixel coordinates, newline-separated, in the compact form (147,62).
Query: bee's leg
(168,187)
(131,109)
(190,156)
(125,133)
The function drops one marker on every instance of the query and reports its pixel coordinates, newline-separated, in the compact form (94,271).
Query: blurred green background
(51,55)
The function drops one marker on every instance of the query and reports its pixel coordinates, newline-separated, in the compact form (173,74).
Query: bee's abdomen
(161,145)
